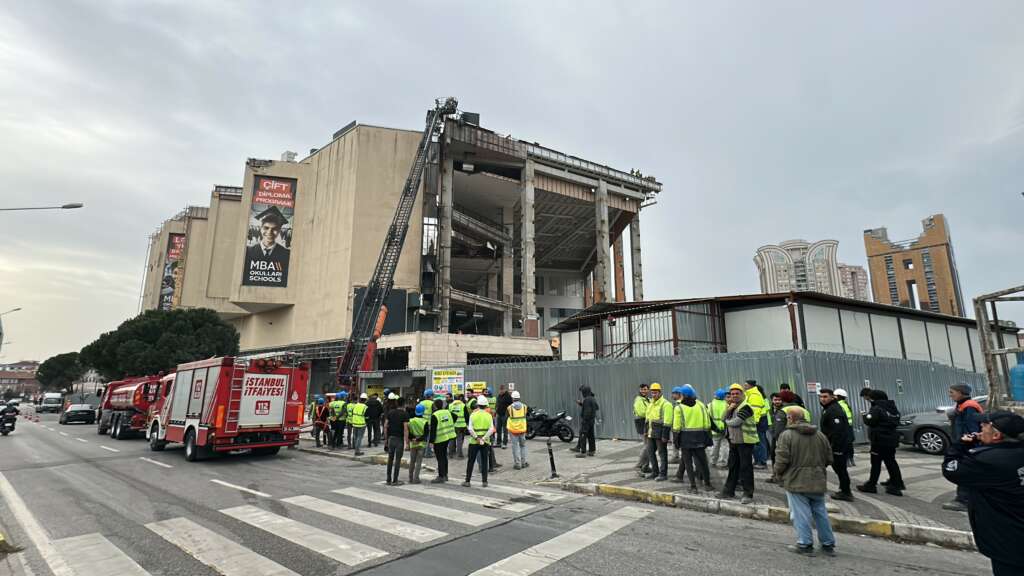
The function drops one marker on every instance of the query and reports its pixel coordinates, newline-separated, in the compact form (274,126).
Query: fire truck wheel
(155,443)
(192,451)
(99,427)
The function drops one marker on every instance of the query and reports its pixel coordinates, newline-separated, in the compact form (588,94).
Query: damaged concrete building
(508,238)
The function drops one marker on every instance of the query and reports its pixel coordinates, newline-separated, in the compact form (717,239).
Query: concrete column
(602,262)
(526,232)
(619,268)
(634,245)
(507,270)
(444,242)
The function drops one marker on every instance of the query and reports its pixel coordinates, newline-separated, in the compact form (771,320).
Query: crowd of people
(451,426)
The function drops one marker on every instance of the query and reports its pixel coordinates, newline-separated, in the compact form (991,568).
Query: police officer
(480,430)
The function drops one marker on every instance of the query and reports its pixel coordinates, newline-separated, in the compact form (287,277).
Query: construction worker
(694,433)
(843,399)
(396,439)
(481,428)
(516,427)
(321,426)
(677,423)
(720,453)
(311,416)
(659,431)
(640,404)
(338,419)
(756,400)
(492,460)
(458,409)
(357,421)
(428,409)
(442,431)
(741,424)
(418,429)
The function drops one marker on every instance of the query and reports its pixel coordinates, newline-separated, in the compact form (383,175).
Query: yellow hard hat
(736,387)
(656,386)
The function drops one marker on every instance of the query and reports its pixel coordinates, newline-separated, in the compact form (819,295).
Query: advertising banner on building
(445,380)
(170,283)
(269,239)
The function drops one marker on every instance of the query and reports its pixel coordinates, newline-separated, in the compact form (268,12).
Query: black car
(930,431)
(78,413)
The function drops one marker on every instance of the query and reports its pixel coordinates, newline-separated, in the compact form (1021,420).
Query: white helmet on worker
(392,396)
(515,394)
(840,392)
(481,401)
(363,396)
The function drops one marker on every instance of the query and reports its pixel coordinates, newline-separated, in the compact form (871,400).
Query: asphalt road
(84,504)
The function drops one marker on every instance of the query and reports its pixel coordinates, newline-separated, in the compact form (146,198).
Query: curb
(896,531)
(379,459)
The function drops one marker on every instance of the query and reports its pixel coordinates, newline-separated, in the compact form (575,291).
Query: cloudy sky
(764,120)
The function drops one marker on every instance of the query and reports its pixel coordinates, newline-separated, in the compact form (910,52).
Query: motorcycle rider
(9,411)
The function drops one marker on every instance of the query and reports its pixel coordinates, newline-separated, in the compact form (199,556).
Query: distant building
(18,382)
(853,282)
(919,273)
(799,266)
(23,366)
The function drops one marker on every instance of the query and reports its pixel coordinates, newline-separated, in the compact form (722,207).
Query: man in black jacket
(374,411)
(990,466)
(588,418)
(501,415)
(882,420)
(836,428)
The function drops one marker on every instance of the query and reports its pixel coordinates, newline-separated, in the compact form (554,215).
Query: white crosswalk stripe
(86,553)
(386,524)
(341,549)
(216,551)
(449,513)
(526,492)
(547,553)
(468,496)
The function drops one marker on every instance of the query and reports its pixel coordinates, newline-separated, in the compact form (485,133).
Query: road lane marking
(547,553)
(63,433)
(40,539)
(338,548)
(216,551)
(462,517)
(83,440)
(143,458)
(109,449)
(468,496)
(91,552)
(406,530)
(241,488)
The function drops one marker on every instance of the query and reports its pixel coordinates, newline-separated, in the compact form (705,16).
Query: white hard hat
(363,396)
(481,401)
(392,396)
(840,392)
(515,394)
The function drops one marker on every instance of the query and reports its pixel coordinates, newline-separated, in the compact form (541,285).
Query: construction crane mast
(368,321)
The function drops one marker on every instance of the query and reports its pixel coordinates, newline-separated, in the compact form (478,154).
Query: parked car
(78,413)
(929,431)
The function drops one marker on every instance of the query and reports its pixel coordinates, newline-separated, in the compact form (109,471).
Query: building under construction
(507,239)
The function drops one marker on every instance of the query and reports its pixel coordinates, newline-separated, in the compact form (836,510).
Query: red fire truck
(226,404)
(124,406)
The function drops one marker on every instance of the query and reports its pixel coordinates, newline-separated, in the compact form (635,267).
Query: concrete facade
(799,265)
(919,273)
(853,282)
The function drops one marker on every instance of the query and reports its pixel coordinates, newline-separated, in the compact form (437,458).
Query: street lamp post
(68,206)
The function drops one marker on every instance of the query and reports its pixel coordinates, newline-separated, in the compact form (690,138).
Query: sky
(765,121)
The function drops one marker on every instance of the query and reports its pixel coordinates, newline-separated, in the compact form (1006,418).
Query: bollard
(551,457)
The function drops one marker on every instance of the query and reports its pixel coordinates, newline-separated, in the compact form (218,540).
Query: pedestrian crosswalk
(395,525)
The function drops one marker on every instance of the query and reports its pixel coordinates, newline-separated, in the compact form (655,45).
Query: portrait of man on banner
(268,246)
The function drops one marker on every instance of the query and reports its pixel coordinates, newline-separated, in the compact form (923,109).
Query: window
(538,285)
(912,297)
(908,264)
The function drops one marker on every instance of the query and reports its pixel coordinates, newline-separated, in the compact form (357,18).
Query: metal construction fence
(915,386)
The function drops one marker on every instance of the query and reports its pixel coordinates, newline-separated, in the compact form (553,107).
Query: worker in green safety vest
(428,409)
(458,410)
(480,430)
(694,425)
(720,452)
(659,433)
(844,403)
(357,421)
(418,429)
(338,416)
(640,404)
(442,432)
(741,422)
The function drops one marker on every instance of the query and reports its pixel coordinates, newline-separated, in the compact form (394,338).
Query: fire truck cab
(227,404)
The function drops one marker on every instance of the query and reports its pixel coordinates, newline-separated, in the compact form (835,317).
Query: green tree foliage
(159,340)
(58,372)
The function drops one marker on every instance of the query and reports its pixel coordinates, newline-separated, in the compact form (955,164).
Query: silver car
(929,431)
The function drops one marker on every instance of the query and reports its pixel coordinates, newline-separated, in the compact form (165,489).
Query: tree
(58,372)
(158,340)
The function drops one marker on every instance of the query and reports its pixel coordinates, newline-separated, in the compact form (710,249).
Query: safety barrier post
(551,457)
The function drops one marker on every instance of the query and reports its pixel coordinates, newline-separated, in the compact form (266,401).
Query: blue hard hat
(342,394)
(428,393)
(688,391)
(720,393)
(319,399)
(487,392)
(677,389)
(420,409)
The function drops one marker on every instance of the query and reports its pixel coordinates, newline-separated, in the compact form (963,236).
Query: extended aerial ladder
(367,313)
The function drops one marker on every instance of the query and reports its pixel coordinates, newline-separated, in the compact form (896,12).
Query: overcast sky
(764,120)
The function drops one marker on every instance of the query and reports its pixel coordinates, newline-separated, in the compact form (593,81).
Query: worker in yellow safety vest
(516,427)
(461,415)
(694,433)
(640,404)
(659,432)
(428,409)
(755,397)
(844,403)
(742,430)
(720,452)
(357,421)
(418,428)
(442,431)
(338,416)
(481,428)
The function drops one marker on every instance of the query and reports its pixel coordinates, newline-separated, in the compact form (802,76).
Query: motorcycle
(539,423)
(7,423)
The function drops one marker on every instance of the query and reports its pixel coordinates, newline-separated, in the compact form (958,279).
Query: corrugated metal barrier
(915,386)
